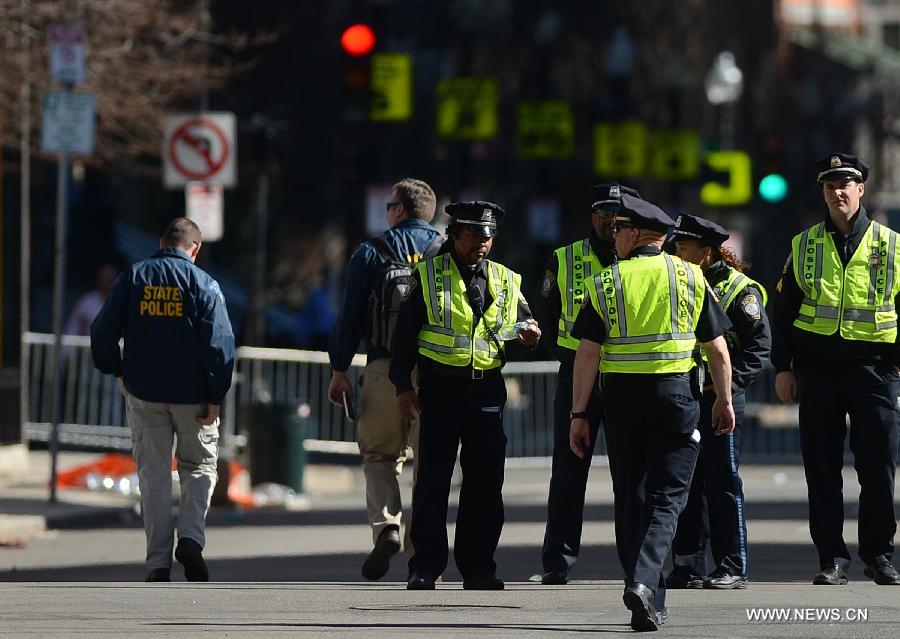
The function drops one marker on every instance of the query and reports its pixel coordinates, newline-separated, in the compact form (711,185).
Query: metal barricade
(93,407)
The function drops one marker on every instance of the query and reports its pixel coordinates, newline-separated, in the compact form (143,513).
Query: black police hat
(608,196)
(840,165)
(643,215)
(691,227)
(481,217)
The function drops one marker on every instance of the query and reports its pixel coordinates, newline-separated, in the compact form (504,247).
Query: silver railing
(93,409)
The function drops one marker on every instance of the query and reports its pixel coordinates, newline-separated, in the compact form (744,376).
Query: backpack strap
(384,250)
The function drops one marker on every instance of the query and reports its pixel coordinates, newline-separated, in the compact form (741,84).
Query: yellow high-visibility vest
(450,336)
(650,307)
(576,267)
(728,289)
(857,300)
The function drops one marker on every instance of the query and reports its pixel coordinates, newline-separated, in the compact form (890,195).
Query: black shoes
(831,576)
(882,571)
(158,574)
(379,560)
(554,578)
(639,600)
(680,578)
(420,581)
(483,582)
(190,555)
(722,579)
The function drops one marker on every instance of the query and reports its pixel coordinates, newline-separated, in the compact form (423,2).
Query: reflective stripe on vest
(448,336)
(857,300)
(728,289)
(650,307)
(576,265)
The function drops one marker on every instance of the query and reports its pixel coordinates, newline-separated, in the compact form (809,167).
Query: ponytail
(731,259)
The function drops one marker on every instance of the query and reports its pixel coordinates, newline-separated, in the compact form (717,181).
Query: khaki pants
(383,438)
(155,428)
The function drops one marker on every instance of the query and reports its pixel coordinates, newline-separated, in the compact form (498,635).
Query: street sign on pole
(200,147)
(205,206)
(68,123)
(67,53)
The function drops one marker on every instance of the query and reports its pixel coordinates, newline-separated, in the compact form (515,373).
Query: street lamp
(724,84)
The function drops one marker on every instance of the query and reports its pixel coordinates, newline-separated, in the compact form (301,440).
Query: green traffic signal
(773,188)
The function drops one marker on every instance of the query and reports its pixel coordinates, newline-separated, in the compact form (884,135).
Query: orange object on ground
(109,465)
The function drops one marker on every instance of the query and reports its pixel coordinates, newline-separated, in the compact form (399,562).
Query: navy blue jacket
(407,238)
(179,346)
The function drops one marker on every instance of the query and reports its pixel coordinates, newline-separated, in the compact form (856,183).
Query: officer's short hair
(182,233)
(417,197)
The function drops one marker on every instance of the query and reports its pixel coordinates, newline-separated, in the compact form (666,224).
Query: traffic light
(358,40)
(773,186)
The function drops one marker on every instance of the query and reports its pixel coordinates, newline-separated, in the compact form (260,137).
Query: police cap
(691,227)
(480,217)
(841,166)
(643,215)
(608,196)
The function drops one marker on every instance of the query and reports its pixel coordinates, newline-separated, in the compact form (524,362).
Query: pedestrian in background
(714,513)
(648,310)
(378,278)
(174,372)
(836,351)
(557,303)
(452,326)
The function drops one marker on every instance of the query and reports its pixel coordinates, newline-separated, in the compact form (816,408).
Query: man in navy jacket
(174,372)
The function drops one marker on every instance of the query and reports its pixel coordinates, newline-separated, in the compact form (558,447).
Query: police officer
(648,310)
(557,304)
(174,373)
(384,434)
(716,480)
(453,323)
(835,348)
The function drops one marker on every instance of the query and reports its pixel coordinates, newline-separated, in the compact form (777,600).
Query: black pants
(649,422)
(868,394)
(714,513)
(469,412)
(568,478)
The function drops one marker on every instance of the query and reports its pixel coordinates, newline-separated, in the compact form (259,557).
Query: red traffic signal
(358,40)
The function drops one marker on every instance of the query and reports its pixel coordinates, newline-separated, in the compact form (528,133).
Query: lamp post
(724,85)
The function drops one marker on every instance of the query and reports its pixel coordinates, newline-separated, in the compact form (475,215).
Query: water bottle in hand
(508,333)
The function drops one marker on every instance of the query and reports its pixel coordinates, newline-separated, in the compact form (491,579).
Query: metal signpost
(67,129)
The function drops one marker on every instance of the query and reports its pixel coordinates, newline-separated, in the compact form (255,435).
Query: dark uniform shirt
(793,345)
(179,344)
(409,237)
(548,302)
(749,338)
(712,323)
(413,314)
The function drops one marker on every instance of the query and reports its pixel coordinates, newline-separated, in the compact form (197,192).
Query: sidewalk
(338,492)
(25,510)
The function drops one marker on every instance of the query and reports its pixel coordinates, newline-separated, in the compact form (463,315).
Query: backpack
(390,288)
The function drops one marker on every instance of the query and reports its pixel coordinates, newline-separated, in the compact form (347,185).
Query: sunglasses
(389,205)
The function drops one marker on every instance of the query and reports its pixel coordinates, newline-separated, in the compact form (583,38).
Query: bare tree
(145,58)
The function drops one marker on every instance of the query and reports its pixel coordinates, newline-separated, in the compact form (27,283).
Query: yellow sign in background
(674,154)
(545,130)
(620,149)
(739,188)
(467,108)
(391,87)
